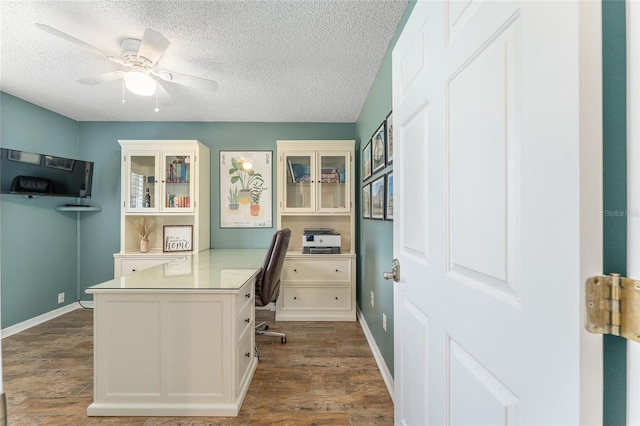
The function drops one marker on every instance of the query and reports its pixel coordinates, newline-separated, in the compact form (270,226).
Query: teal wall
(615,193)
(38,244)
(375,237)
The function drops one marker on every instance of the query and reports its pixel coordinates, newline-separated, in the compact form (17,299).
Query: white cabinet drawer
(316,298)
(245,294)
(244,321)
(331,270)
(132,265)
(245,355)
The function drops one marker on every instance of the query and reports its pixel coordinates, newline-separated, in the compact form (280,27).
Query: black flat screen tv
(32,174)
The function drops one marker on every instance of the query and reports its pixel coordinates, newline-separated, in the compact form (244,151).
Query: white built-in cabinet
(315,187)
(175,174)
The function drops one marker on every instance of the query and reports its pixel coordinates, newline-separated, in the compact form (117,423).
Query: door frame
(633,195)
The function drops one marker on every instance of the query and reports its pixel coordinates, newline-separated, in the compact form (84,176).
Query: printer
(320,241)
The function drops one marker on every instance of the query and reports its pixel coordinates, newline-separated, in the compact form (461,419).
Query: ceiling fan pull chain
(157,109)
(123,99)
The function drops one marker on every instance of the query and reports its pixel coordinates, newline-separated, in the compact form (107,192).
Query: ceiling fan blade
(164,98)
(189,80)
(71,39)
(152,45)
(102,78)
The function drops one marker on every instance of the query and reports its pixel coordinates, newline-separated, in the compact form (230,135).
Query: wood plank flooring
(324,375)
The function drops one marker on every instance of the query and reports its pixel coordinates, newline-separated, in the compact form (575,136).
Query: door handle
(395,271)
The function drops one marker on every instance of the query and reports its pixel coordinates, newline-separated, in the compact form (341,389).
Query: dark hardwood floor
(324,375)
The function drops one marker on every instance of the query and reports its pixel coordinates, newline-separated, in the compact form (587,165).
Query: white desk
(176,339)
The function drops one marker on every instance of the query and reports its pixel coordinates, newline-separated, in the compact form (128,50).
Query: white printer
(320,241)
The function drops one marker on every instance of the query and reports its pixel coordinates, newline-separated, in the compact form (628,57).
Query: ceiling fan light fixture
(139,82)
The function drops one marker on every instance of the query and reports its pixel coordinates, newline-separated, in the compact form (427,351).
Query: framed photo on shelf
(366,161)
(388,206)
(177,238)
(245,189)
(389,132)
(377,198)
(366,201)
(59,163)
(378,149)
(24,157)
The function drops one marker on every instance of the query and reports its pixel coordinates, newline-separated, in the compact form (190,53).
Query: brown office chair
(268,280)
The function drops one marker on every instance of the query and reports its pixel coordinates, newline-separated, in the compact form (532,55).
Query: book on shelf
(301,172)
(329,176)
(290,176)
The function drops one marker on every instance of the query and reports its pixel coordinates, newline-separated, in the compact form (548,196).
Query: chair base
(261,329)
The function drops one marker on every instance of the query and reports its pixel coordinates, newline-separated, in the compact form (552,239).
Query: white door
(497,113)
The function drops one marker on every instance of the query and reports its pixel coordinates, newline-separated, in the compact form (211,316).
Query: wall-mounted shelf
(78,208)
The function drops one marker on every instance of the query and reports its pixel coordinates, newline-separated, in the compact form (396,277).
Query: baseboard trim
(25,325)
(382,366)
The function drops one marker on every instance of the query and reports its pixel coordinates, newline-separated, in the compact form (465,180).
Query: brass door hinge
(613,306)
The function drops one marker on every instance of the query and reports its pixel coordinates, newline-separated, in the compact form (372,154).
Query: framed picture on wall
(377,198)
(366,161)
(389,131)
(245,189)
(366,201)
(378,149)
(388,211)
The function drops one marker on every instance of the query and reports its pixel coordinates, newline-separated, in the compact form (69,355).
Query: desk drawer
(317,270)
(245,355)
(245,294)
(316,298)
(244,321)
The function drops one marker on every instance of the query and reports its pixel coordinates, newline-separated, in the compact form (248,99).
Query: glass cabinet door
(299,191)
(333,182)
(178,189)
(142,182)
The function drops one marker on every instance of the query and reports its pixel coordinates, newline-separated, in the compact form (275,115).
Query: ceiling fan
(141,58)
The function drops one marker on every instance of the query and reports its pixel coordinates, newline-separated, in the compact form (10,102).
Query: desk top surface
(215,269)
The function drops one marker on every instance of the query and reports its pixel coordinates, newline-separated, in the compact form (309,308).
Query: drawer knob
(337,270)
(248,295)
(133,270)
(248,320)
(295,298)
(248,354)
(295,270)
(336,297)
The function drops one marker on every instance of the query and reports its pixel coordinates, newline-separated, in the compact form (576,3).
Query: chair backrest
(268,281)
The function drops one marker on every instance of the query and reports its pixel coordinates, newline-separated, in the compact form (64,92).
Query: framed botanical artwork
(388,206)
(366,201)
(377,198)
(366,161)
(177,238)
(245,189)
(378,149)
(389,130)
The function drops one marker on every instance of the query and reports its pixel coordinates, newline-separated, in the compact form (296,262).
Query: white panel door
(497,113)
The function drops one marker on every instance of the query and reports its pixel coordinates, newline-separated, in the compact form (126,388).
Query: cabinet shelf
(78,209)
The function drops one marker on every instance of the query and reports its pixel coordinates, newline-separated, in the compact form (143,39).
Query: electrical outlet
(372,299)
(60,298)
(384,322)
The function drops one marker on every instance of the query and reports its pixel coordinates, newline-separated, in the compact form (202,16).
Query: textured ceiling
(275,60)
